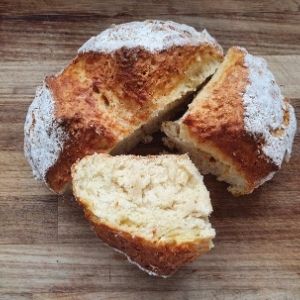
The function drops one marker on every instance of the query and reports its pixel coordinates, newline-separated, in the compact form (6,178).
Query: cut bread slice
(153,209)
(239,127)
(120,87)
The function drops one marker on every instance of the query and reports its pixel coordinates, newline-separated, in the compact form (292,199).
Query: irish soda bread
(119,87)
(239,127)
(153,209)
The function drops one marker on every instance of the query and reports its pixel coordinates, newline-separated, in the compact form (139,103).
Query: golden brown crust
(218,122)
(135,77)
(158,259)
(101,98)
(81,143)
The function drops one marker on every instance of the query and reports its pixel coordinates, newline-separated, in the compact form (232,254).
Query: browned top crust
(101,98)
(125,83)
(218,120)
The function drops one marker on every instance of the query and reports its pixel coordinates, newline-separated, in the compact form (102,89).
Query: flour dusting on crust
(152,35)
(44,136)
(267,114)
(151,273)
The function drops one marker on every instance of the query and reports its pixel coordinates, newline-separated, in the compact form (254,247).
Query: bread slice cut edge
(159,228)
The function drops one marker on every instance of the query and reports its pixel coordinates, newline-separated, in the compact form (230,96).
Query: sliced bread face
(239,127)
(153,209)
(121,86)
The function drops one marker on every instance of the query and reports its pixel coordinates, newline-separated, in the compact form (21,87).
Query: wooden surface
(47,250)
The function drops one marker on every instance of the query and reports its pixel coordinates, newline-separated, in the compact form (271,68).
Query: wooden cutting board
(47,250)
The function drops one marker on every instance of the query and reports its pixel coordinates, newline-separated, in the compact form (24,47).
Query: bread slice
(120,87)
(153,209)
(239,127)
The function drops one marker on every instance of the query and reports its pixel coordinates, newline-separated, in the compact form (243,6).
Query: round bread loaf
(239,127)
(122,84)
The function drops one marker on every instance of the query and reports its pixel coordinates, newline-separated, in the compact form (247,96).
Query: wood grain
(47,250)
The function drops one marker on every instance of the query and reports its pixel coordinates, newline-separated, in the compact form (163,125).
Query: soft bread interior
(208,159)
(161,199)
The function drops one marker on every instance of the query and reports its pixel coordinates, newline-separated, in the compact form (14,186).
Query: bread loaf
(239,127)
(153,209)
(122,84)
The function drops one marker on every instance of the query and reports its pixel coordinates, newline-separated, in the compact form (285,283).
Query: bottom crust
(156,259)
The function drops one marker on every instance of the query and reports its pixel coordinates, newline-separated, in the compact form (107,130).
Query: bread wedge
(153,209)
(120,87)
(239,127)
